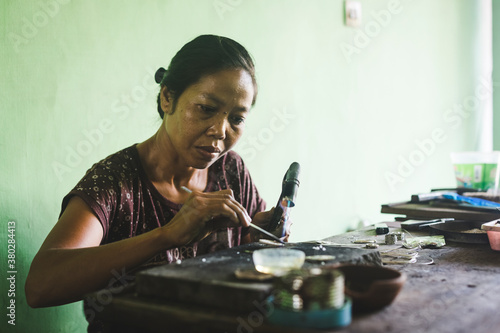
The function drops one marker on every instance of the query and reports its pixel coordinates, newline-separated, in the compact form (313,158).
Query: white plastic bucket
(478,170)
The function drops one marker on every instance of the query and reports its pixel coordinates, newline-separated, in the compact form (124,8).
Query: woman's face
(209,116)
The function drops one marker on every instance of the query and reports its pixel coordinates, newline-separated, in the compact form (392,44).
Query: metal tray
(454,231)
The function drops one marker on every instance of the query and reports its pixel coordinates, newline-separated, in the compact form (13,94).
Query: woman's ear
(166,100)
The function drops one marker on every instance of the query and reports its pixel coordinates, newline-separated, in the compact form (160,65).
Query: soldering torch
(286,200)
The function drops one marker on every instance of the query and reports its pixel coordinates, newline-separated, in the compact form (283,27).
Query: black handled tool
(286,200)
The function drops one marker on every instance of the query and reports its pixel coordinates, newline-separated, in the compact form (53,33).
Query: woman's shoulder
(233,157)
(123,161)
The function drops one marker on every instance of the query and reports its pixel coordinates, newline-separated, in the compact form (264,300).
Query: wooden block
(210,279)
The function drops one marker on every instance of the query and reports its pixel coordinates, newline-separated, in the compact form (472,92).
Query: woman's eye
(238,120)
(207,109)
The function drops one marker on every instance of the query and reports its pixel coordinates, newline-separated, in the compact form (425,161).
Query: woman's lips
(209,152)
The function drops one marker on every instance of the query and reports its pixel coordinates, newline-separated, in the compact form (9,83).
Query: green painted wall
(370,113)
(496,73)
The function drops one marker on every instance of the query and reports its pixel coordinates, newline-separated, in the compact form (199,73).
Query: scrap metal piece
(364,241)
(391,239)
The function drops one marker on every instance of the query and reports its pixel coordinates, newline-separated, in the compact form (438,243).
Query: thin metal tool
(267,233)
(251,224)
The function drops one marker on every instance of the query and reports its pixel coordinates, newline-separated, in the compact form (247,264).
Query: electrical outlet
(352,13)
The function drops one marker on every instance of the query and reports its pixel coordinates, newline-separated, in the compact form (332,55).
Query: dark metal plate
(456,231)
(210,279)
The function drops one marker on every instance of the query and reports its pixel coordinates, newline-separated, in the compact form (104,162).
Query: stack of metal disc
(287,291)
(323,289)
(288,301)
(312,289)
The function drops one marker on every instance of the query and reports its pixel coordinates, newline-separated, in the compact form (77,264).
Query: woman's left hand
(262,220)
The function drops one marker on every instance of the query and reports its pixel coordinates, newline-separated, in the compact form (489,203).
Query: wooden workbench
(459,292)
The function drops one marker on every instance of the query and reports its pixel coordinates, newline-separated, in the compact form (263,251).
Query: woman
(130,211)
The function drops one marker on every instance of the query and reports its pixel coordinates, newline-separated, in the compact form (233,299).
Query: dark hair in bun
(206,54)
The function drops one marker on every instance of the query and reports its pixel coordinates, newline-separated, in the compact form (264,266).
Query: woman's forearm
(60,275)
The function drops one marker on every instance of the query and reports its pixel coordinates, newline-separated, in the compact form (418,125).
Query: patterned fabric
(127,204)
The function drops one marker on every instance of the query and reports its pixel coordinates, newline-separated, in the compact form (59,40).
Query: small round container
(371,287)
(493,230)
(494,238)
(278,261)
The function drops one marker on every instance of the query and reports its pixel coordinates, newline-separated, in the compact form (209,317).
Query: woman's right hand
(203,213)
(73,245)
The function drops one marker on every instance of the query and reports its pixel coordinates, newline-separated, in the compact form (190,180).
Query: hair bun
(160,73)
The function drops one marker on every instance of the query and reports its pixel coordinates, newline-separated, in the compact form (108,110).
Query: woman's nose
(218,128)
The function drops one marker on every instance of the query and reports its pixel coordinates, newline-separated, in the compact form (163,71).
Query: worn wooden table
(459,292)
